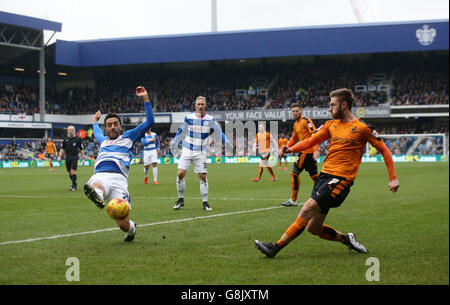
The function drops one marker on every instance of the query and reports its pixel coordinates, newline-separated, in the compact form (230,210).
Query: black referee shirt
(72,146)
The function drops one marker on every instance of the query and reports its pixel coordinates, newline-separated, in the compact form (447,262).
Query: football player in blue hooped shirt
(110,179)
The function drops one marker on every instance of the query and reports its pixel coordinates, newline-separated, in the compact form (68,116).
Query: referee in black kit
(71,147)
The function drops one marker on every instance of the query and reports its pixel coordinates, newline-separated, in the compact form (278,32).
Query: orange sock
(329,233)
(293,231)
(260,171)
(295,184)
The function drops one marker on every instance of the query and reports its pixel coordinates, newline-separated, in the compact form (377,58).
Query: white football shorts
(199,159)
(115,185)
(150,156)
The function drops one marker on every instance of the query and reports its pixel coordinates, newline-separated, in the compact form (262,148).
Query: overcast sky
(94,19)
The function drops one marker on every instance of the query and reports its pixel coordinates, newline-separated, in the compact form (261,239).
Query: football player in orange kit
(307,159)
(348,136)
(50,150)
(282,140)
(263,141)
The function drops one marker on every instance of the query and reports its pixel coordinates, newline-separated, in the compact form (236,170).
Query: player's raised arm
(137,133)
(98,132)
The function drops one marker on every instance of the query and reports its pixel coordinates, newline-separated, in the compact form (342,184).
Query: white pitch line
(141,225)
(138,197)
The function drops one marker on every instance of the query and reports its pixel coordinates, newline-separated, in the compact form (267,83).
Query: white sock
(204,190)
(99,193)
(132,228)
(145,172)
(155,174)
(181,186)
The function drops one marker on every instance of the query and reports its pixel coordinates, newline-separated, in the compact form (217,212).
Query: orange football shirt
(347,143)
(282,141)
(303,129)
(263,141)
(50,147)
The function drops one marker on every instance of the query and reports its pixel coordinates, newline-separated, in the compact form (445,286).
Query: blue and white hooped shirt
(150,141)
(196,131)
(115,155)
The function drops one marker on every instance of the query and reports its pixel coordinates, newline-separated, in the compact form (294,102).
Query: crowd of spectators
(239,87)
(420,87)
(35,149)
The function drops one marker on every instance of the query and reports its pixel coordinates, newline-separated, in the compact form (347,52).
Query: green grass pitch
(43,224)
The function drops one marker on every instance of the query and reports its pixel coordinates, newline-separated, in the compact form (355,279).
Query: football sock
(329,233)
(74,180)
(271,171)
(295,184)
(145,172)
(155,173)
(204,190)
(132,228)
(181,186)
(260,171)
(99,193)
(293,231)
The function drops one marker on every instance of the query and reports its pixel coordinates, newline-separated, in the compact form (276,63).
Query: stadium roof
(425,35)
(29,22)
(20,34)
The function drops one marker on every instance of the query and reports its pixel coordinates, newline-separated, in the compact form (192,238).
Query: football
(118,208)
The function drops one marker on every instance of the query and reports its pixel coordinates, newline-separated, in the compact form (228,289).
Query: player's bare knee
(313,229)
(310,209)
(181,174)
(98,185)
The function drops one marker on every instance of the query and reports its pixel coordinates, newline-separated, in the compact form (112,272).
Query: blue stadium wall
(318,40)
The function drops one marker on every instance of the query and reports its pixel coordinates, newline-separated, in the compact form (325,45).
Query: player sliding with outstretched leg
(110,179)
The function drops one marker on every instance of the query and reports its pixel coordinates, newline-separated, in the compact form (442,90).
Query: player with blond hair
(197,127)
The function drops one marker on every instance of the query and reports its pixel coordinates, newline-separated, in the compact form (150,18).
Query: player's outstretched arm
(98,132)
(137,133)
(394,184)
(142,93)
